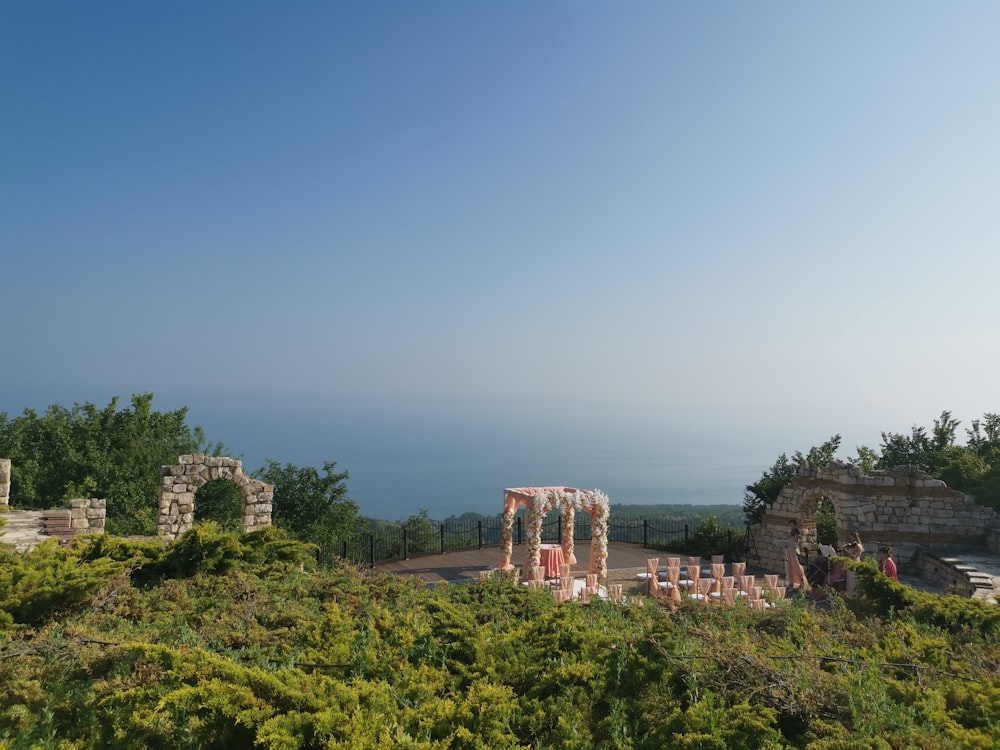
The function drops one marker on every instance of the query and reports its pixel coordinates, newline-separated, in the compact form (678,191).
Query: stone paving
(23,529)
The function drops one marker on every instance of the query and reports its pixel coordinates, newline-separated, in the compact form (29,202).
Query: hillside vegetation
(224,641)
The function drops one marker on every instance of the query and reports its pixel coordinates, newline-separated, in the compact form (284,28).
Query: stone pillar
(87,516)
(4,484)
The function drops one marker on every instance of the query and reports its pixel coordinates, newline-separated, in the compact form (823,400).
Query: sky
(754,225)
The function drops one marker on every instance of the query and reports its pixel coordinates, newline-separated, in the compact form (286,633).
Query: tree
(311,507)
(929,453)
(221,501)
(422,535)
(90,452)
(761,495)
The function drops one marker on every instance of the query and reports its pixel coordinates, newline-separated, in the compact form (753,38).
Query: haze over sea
(402,460)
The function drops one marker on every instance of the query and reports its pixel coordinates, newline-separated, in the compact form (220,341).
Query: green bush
(221,640)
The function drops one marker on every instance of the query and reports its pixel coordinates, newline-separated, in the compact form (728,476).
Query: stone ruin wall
(180,483)
(87,516)
(901,507)
(4,484)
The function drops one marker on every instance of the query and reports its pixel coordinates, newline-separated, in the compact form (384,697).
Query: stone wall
(993,537)
(901,507)
(4,484)
(180,483)
(87,516)
(954,576)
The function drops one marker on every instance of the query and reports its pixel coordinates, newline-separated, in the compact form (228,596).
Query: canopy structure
(538,501)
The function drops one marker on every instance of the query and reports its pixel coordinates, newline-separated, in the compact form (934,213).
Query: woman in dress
(795,574)
(886,564)
(853,551)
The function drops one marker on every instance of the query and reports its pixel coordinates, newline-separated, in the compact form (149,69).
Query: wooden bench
(56,523)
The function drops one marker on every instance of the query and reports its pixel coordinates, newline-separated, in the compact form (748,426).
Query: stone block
(92,513)
(78,523)
(187,518)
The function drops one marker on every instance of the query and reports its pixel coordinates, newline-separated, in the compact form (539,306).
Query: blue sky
(774,221)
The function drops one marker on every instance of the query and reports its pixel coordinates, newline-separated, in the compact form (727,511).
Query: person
(886,564)
(853,550)
(795,574)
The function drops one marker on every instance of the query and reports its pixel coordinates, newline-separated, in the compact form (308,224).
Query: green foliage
(220,501)
(90,452)
(761,495)
(712,538)
(826,523)
(311,507)
(422,535)
(47,581)
(727,515)
(973,468)
(246,643)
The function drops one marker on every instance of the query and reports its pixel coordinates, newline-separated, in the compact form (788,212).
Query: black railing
(403,542)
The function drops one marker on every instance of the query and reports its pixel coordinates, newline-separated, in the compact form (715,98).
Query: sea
(399,467)
(449,459)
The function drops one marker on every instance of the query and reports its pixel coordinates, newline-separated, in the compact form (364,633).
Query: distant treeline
(727,515)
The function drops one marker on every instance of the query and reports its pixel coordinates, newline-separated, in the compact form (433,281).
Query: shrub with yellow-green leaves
(241,641)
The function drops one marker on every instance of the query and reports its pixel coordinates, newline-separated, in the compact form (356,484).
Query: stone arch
(180,483)
(902,507)
(539,501)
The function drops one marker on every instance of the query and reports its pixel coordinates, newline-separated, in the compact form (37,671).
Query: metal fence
(404,542)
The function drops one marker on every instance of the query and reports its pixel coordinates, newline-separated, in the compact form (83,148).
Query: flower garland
(541,503)
(507,536)
(568,510)
(539,507)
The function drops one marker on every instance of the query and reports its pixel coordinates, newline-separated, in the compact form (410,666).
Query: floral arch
(538,501)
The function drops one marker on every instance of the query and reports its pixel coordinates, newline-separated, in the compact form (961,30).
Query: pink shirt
(888,566)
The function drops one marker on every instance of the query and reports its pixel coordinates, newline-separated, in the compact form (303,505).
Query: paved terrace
(458,566)
(624,561)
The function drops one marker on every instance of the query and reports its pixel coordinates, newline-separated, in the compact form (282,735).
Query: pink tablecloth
(552,557)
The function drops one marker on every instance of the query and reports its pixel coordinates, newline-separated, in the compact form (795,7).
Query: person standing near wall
(886,564)
(854,549)
(795,574)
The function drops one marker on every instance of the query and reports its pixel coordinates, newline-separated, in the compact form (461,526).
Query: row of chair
(711,584)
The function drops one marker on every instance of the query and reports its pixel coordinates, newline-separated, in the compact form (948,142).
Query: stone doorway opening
(220,500)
